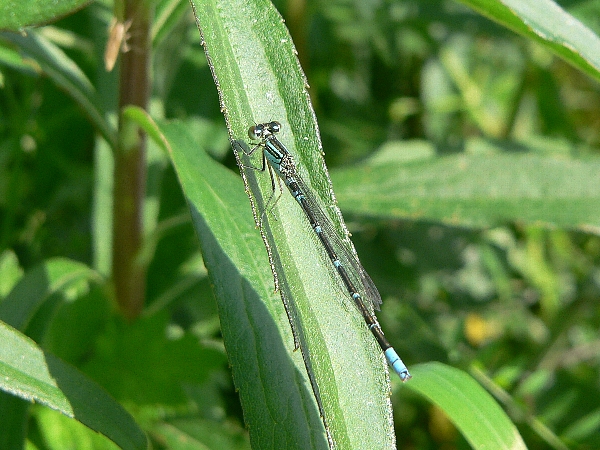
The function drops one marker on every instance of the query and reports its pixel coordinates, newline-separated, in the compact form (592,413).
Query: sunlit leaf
(16,15)
(472,409)
(26,371)
(546,22)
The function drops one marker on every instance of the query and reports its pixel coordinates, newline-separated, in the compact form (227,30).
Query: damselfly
(276,157)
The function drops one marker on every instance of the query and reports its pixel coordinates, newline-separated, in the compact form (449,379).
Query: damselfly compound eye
(274,127)
(256,132)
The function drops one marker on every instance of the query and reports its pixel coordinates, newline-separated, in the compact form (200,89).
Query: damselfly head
(263,130)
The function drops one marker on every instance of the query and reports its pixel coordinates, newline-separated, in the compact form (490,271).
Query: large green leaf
(259,79)
(26,371)
(16,15)
(476,414)
(255,324)
(30,374)
(546,22)
(404,181)
(253,321)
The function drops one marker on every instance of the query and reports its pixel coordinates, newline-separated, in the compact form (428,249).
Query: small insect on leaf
(117,42)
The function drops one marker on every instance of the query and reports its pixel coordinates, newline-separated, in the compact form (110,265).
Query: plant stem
(130,164)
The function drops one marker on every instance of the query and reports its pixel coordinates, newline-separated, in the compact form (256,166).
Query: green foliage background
(463,156)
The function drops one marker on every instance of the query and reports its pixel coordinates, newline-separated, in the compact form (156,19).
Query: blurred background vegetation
(514,304)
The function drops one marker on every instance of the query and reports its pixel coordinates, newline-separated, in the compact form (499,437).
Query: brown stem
(130,165)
